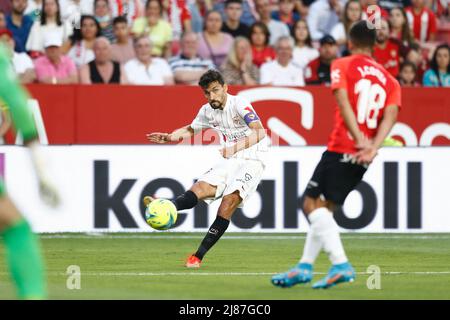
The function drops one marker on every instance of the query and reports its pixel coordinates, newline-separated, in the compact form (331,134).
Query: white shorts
(232,175)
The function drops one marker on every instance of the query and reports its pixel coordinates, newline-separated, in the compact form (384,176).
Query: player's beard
(215,104)
(381,39)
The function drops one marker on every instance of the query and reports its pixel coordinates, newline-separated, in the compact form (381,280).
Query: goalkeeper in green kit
(22,249)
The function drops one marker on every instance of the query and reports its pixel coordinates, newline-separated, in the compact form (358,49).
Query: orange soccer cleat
(193,262)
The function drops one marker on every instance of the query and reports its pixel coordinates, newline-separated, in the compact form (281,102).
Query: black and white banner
(404,190)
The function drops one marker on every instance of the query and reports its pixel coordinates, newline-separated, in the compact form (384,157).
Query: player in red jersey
(368,98)
(422,20)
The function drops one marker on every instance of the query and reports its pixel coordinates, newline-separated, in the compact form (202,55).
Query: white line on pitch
(228,274)
(164,274)
(230,237)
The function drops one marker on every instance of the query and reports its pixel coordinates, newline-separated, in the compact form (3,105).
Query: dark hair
(119,19)
(44,15)
(361,35)
(308,40)
(406,35)
(433,63)
(228,2)
(413,46)
(408,64)
(209,77)
(264,29)
(77,36)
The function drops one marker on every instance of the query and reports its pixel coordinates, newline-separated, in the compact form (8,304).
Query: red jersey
(263,56)
(422,24)
(389,57)
(370,89)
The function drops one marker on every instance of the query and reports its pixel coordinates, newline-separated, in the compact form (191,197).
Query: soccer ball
(161,214)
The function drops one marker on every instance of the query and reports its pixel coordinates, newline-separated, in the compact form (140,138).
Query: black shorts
(335,177)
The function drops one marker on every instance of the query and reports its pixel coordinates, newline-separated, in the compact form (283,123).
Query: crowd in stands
(267,42)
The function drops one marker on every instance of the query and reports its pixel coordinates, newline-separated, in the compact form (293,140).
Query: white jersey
(232,125)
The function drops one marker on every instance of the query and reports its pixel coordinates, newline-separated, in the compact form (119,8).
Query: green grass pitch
(150,266)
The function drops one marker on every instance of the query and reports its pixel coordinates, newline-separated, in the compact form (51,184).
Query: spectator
(54,67)
(72,10)
(259,39)
(49,22)
(398,22)
(323,16)
(122,49)
(318,70)
(19,24)
(249,14)
(408,74)
(102,70)
(232,23)
(213,43)
(387,52)
(2,20)
(22,63)
(188,67)
(238,68)
(83,41)
(34,9)
(145,69)
(286,13)
(439,73)
(304,52)
(276,28)
(102,14)
(422,21)
(157,29)
(416,56)
(282,71)
(129,9)
(177,14)
(352,13)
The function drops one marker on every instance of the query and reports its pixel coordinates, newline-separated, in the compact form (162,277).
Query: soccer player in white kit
(244,147)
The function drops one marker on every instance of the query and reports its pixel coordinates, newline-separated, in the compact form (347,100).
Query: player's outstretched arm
(367,155)
(175,136)
(47,190)
(258,133)
(349,118)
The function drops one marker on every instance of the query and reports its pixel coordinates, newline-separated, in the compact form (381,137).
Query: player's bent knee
(203,190)
(309,205)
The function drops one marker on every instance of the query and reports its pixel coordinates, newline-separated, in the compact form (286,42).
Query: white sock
(312,247)
(325,228)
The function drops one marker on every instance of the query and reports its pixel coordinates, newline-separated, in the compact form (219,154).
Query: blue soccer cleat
(338,273)
(301,273)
